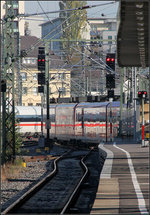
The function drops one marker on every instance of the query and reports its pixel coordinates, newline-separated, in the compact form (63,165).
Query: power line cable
(65,10)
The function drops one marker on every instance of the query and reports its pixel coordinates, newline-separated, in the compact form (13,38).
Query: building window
(38,104)
(24,76)
(33,61)
(110,38)
(16,12)
(24,90)
(35,76)
(15,24)
(35,91)
(30,104)
(62,91)
(63,76)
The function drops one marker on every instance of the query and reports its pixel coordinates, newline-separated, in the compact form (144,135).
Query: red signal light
(108,59)
(112,59)
(39,60)
(43,60)
(145,92)
(140,93)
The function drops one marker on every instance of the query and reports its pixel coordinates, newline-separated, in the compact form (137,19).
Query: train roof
(98,104)
(72,105)
(28,110)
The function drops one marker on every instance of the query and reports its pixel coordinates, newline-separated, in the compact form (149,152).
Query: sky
(107,10)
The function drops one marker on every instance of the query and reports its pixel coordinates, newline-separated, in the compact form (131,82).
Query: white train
(28,119)
(88,122)
(85,122)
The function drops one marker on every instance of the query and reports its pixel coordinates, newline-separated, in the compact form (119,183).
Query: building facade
(32,26)
(52,30)
(19,8)
(59,76)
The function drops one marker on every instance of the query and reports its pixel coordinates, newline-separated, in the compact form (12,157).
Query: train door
(107,123)
(79,124)
(82,122)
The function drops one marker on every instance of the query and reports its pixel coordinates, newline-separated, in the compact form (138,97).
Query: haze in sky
(37,6)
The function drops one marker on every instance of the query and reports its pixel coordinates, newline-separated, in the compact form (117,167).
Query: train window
(52,117)
(28,118)
(78,117)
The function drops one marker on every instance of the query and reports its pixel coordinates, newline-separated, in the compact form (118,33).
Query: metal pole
(83,69)
(121,101)
(135,135)
(47,88)
(42,101)
(19,78)
(111,134)
(143,142)
(149,61)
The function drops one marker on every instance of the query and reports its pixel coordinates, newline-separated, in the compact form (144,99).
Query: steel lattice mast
(8,112)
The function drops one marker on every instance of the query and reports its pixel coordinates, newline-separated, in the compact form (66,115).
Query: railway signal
(41,59)
(142,94)
(110,60)
(41,62)
(110,81)
(3,86)
(110,94)
(41,78)
(40,89)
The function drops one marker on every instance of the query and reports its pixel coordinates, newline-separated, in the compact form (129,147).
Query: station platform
(124,180)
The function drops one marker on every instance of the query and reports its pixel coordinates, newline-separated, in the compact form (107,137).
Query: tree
(72,24)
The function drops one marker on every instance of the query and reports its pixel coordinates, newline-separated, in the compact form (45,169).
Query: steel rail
(14,206)
(77,188)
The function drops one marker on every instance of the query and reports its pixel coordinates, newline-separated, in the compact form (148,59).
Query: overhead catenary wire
(67,10)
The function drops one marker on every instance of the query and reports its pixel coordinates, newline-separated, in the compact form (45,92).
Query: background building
(32,26)
(59,76)
(18,9)
(53,30)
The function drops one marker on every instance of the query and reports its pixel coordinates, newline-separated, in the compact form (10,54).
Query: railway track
(58,191)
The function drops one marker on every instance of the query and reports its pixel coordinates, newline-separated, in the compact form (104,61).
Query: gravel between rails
(12,189)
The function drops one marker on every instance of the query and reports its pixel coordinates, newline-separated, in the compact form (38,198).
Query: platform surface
(124,180)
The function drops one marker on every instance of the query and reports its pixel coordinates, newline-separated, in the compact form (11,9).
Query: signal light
(110,60)
(41,62)
(3,86)
(41,78)
(110,93)
(110,81)
(142,94)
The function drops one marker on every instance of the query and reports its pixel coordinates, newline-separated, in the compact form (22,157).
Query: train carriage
(86,122)
(28,119)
